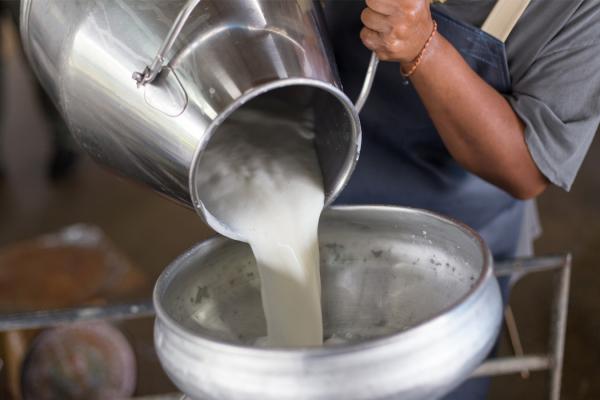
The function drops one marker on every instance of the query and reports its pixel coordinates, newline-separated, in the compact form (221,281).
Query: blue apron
(403,161)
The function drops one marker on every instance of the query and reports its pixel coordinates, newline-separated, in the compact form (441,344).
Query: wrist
(409,68)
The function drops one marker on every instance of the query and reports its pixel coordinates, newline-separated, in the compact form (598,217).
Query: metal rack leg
(559,325)
(553,360)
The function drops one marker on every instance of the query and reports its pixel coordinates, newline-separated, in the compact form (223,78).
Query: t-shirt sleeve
(558,99)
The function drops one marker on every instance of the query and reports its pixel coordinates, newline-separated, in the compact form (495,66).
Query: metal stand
(46,319)
(553,360)
(516,270)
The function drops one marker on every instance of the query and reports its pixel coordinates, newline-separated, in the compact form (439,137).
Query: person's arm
(477,124)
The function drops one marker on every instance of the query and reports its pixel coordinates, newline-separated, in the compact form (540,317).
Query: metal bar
(559,328)
(41,319)
(513,365)
(515,338)
(553,361)
(151,72)
(526,266)
(368,83)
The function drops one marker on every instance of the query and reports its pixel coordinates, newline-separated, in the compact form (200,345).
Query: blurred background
(47,185)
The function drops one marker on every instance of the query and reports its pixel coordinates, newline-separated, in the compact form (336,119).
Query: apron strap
(504,17)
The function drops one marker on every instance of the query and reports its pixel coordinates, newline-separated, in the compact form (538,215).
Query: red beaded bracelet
(415,63)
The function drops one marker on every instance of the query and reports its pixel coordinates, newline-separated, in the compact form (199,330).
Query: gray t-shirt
(554,61)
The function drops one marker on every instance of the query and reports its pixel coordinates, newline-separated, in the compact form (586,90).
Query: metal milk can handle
(368,83)
(151,72)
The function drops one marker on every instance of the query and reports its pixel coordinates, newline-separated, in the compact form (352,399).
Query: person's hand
(396,30)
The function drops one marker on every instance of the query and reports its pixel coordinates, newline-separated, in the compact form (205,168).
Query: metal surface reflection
(227,52)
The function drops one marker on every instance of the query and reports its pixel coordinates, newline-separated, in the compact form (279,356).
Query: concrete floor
(152,231)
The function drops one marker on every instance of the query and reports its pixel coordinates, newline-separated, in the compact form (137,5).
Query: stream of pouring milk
(266,186)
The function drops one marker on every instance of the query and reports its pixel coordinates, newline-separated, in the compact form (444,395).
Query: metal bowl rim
(345,348)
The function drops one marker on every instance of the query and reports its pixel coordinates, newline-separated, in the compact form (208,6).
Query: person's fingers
(375,21)
(371,39)
(383,7)
(391,7)
(396,29)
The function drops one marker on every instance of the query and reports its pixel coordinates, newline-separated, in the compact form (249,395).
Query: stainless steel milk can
(143,85)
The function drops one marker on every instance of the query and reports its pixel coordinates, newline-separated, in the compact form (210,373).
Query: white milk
(267,187)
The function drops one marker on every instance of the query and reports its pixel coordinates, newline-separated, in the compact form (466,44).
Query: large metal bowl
(410,294)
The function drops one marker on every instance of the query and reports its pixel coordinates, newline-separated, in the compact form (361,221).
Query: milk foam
(265,185)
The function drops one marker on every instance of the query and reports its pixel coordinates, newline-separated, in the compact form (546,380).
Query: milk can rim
(249,95)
